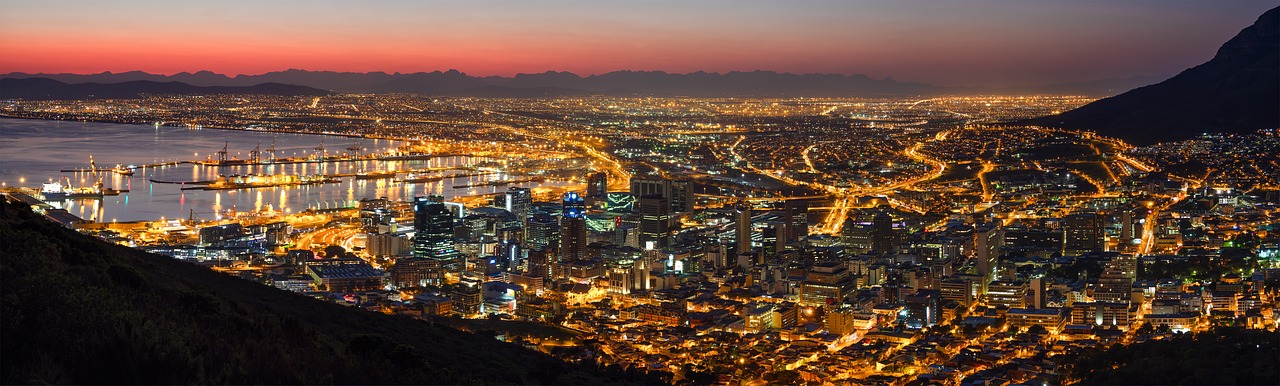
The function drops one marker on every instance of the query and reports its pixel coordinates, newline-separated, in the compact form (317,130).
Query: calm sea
(34,151)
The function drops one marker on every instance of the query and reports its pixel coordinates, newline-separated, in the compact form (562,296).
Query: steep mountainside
(1237,91)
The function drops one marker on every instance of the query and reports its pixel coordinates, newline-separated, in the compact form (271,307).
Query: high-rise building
(924,308)
(433,228)
(542,231)
(374,214)
(1101,314)
(856,237)
(1082,233)
(597,184)
(416,272)
(742,229)
(1113,286)
(962,288)
(1127,228)
(655,222)
(987,240)
(518,201)
(573,227)
(798,214)
(678,193)
(883,238)
(1126,263)
(1009,294)
(826,284)
(840,321)
(541,263)
(1037,289)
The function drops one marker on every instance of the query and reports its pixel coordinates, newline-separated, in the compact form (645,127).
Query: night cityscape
(684,205)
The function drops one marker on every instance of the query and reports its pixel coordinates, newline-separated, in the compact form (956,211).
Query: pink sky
(954,43)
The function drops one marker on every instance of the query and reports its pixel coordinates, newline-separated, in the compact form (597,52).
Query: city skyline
(728,192)
(954,43)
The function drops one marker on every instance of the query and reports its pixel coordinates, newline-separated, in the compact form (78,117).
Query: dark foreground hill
(1222,356)
(44,88)
(76,310)
(1237,91)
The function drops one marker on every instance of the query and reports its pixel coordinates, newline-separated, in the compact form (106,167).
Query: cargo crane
(222,154)
(320,149)
(272,150)
(355,148)
(256,154)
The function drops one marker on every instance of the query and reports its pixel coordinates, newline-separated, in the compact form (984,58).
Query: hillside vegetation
(74,309)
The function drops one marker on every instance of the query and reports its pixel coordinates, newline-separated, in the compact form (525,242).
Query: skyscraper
(883,238)
(518,201)
(1082,233)
(856,236)
(987,240)
(678,193)
(573,227)
(1127,227)
(655,222)
(797,212)
(597,184)
(433,228)
(742,226)
(542,231)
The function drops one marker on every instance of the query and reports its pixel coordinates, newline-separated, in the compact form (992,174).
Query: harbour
(173,169)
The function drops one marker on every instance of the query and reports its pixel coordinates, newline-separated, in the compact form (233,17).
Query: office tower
(797,212)
(774,237)
(856,237)
(987,240)
(826,284)
(1127,233)
(433,228)
(678,193)
(541,262)
(742,226)
(597,184)
(518,201)
(573,227)
(1007,294)
(416,272)
(776,233)
(924,308)
(542,231)
(1081,234)
(883,238)
(1113,286)
(1037,289)
(655,222)
(373,213)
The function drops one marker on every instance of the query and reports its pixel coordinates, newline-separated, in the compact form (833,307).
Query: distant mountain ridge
(617,83)
(45,88)
(1238,91)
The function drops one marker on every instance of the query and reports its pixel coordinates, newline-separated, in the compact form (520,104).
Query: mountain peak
(1238,91)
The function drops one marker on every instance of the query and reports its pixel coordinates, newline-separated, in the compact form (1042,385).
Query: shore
(123,122)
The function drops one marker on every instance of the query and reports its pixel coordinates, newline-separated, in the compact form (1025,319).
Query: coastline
(121,122)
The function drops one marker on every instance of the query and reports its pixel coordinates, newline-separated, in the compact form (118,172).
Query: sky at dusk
(992,43)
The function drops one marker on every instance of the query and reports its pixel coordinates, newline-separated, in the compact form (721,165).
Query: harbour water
(33,152)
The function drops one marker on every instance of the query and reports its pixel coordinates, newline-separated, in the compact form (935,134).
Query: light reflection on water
(34,151)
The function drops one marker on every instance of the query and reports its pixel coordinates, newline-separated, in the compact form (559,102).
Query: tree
(1145,329)
(334,251)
